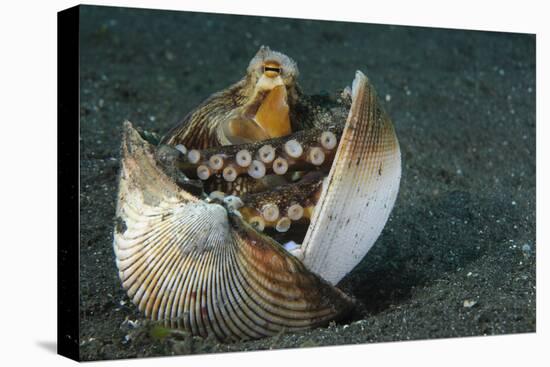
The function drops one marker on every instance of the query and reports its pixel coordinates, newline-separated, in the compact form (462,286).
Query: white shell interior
(358,198)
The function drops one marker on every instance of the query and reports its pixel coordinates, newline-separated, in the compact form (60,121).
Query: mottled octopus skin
(200,128)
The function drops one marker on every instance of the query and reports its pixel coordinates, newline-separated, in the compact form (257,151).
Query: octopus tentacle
(277,208)
(282,206)
(303,150)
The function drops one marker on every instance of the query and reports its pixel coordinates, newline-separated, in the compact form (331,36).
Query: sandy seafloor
(462,232)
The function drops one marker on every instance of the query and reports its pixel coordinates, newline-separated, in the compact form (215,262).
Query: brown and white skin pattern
(360,190)
(197,266)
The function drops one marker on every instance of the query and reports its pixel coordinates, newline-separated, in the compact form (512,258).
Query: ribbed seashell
(362,187)
(197,266)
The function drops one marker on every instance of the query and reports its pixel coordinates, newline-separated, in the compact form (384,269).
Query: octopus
(242,219)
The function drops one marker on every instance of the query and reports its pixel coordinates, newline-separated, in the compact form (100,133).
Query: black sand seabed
(457,257)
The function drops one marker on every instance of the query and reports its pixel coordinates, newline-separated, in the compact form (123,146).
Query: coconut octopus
(241,220)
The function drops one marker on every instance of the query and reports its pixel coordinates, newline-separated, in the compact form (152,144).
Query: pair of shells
(197,266)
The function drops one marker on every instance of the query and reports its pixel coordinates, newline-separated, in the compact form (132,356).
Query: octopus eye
(272,69)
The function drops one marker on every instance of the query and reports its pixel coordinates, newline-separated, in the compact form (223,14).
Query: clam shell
(197,266)
(360,190)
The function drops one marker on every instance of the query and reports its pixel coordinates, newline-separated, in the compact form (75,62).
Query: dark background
(463,104)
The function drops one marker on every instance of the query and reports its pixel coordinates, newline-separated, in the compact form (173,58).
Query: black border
(68,230)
